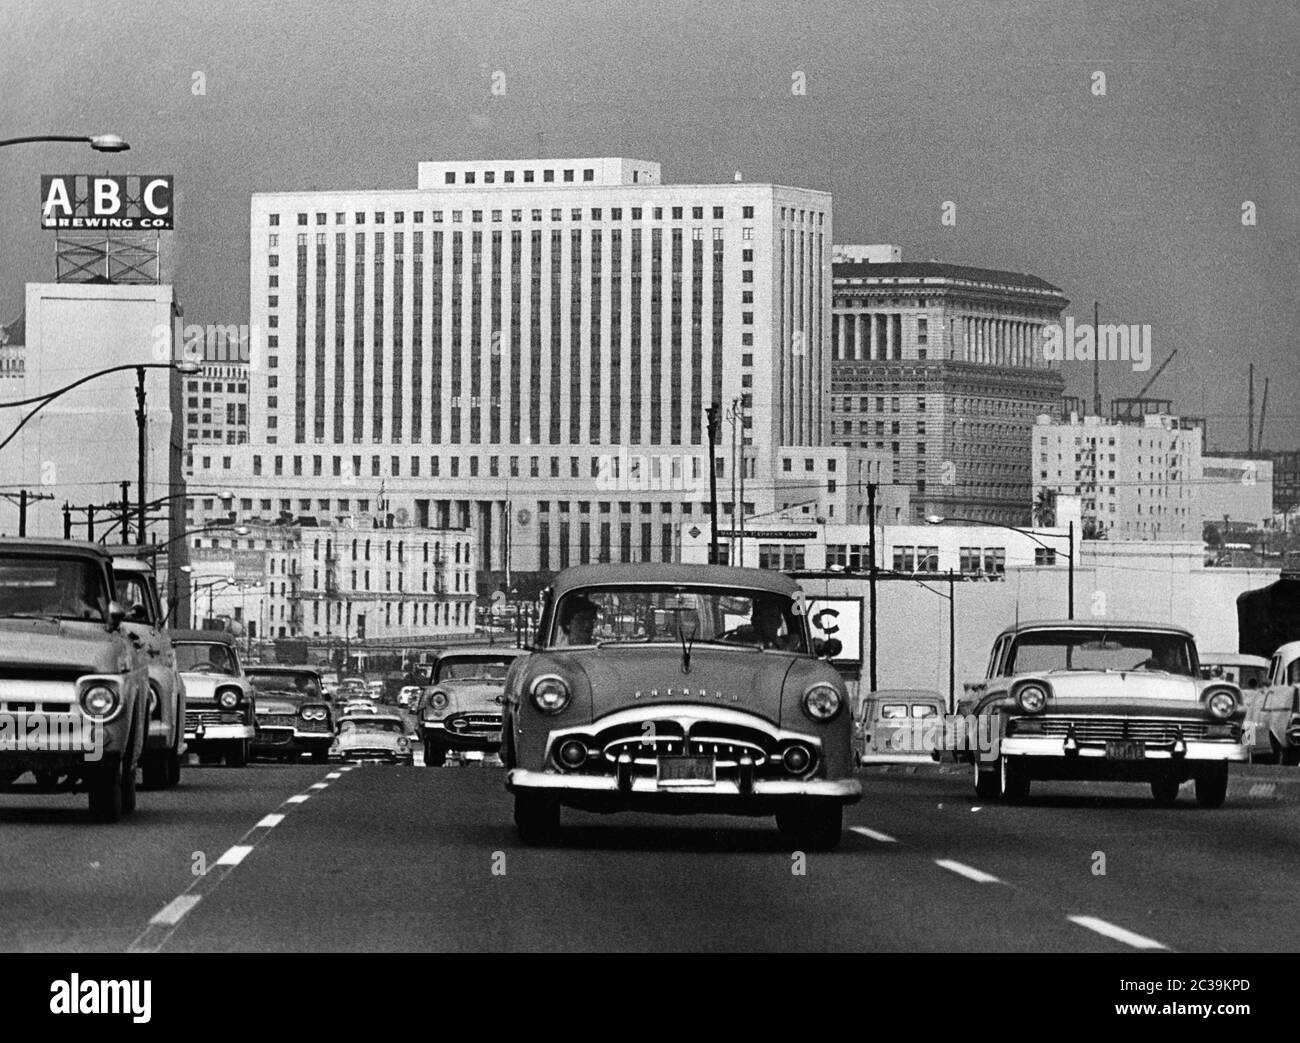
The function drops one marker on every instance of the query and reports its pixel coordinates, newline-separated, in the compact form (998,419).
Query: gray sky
(1133,199)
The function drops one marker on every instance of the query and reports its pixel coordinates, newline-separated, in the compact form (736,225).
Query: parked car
(1273,710)
(409,696)
(137,591)
(372,737)
(1245,671)
(294,716)
(722,704)
(74,684)
(220,715)
(901,722)
(461,708)
(1097,700)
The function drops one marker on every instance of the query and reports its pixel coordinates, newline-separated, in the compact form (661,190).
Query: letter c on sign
(819,620)
(149,203)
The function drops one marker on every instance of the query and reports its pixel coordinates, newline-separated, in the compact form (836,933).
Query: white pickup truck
(1273,710)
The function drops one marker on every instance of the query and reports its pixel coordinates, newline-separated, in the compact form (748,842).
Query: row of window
(678,213)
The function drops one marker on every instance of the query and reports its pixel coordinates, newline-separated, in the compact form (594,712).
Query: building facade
(491,347)
(216,406)
(1238,489)
(942,367)
(1139,481)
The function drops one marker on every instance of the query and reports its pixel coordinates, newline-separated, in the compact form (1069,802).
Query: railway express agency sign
(102,202)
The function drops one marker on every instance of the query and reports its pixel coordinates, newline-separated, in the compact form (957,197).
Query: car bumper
(221,733)
(1025,746)
(385,756)
(844,791)
(460,740)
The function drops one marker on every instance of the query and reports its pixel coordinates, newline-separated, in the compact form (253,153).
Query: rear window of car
(924,710)
(893,711)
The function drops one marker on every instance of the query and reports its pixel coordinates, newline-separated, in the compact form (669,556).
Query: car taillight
(550,694)
(100,700)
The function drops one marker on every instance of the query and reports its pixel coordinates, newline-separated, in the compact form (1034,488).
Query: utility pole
(67,520)
(734,417)
(1071,616)
(126,513)
(712,416)
(1096,363)
(22,512)
(1250,414)
(871,551)
(140,436)
(952,642)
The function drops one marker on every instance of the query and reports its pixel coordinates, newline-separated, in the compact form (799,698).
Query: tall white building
(488,349)
(1137,481)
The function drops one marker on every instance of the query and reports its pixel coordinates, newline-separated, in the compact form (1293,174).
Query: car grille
(474,723)
(275,720)
(1103,729)
(274,736)
(193,718)
(726,743)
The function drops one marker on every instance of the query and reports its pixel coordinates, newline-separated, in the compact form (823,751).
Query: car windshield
(1043,650)
(203,658)
(55,587)
(372,725)
(298,684)
(473,668)
(645,613)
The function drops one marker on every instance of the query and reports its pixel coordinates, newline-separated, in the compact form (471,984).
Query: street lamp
(713,414)
(99,142)
(935,519)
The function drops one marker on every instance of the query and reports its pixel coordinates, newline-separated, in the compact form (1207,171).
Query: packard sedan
(678,689)
(220,706)
(461,708)
(1095,700)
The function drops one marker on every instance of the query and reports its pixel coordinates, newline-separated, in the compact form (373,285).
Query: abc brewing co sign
(132,203)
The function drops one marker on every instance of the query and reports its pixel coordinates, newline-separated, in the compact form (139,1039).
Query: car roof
(1289,650)
(905,693)
(486,651)
(375,717)
(670,573)
(1235,658)
(1092,624)
(280,669)
(207,637)
(124,562)
(45,545)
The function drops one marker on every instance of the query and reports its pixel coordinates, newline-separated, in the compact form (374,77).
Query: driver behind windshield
(577,621)
(764,627)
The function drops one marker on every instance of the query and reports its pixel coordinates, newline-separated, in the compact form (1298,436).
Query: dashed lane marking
(1119,934)
(969,872)
(163,923)
(871,834)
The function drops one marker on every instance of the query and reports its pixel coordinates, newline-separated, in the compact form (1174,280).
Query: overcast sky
(1133,199)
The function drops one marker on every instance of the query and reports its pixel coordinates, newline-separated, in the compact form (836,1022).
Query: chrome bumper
(1196,750)
(846,791)
(220,733)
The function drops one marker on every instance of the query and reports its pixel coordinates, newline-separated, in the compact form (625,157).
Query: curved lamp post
(99,142)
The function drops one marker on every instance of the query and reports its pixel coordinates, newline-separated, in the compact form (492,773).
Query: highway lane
(408,859)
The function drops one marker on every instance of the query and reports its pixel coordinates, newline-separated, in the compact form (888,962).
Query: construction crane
(1159,369)
(1263,410)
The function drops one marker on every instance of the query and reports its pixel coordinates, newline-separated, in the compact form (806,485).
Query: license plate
(1125,750)
(686,771)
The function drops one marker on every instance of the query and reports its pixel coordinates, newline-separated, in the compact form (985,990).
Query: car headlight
(1032,698)
(402,743)
(1222,704)
(228,698)
(100,700)
(439,701)
(550,694)
(821,702)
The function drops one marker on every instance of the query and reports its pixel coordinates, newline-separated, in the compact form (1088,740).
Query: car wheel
(1013,780)
(128,788)
(814,827)
(537,817)
(1165,791)
(173,769)
(237,755)
(1212,786)
(320,756)
(986,782)
(1290,756)
(435,754)
(104,783)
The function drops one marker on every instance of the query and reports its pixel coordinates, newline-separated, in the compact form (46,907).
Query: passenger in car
(577,621)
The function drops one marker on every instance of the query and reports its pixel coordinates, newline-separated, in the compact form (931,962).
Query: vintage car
(294,716)
(716,701)
(220,713)
(899,724)
(461,708)
(1245,671)
(1273,710)
(409,696)
(1096,700)
(372,737)
(137,591)
(74,685)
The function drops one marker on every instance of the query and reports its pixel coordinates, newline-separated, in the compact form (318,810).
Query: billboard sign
(250,565)
(103,202)
(840,618)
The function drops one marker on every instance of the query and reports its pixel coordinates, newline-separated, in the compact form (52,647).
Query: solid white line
(172,912)
(969,872)
(1117,933)
(884,838)
(319,785)
(269,820)
(298,798)
(235,855)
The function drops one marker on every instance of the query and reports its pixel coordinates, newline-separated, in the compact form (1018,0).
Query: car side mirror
(828,648)
(116,613)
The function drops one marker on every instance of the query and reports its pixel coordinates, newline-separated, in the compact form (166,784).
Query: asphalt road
(409,858)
